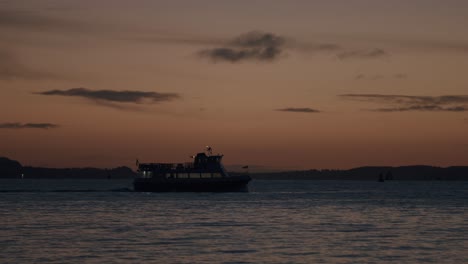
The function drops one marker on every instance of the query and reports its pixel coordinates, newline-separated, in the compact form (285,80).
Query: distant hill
(10,168)
(13,169)
(404,173)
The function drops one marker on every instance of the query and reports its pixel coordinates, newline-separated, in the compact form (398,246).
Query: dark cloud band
(27,125)
(115,96)
(250,46)
(236,55)
(423,108)
(298,110)
(262,46)
(404,103)
(255,39)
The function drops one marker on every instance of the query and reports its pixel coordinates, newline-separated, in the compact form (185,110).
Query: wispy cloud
(298,110)
(362,54)
(27,125)
(11,68)
(254,45)
(110,97)
(458,46)
(265,46)
(400,76)
(362,76)
(414,43)
(286,42)
(314,47)
(33,26)
(368,77)
(423,108)
(179,39)
(24,19)
(261,46)
(404,103)
(255,39)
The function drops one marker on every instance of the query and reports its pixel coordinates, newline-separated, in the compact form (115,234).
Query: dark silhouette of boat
(205,174)
(381,178)
(388,176)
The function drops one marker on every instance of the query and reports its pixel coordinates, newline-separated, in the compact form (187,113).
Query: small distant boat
(205,174)
(381,178)
(388,176)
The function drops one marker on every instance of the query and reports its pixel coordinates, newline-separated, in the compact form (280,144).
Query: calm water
(45,221)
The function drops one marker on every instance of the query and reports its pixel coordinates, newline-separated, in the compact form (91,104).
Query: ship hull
(228,184)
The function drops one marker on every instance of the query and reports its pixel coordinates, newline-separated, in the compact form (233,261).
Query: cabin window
(206,175)
(216,175)
(146,174)
(194,175)
(182,175)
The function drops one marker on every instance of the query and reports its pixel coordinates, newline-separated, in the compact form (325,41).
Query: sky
(270,84)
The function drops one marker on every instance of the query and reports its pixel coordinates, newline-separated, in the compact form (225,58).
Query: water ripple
(281,222)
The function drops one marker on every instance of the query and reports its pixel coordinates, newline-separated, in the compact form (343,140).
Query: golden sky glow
(279,84)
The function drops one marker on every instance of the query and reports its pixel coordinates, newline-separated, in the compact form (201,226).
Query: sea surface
(103,221)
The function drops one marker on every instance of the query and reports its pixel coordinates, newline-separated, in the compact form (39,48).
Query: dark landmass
(13,169)
(403,173)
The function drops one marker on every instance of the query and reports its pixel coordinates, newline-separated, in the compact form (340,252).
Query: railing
(208,166)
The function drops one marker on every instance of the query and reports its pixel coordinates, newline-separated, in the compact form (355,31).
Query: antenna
(209,150)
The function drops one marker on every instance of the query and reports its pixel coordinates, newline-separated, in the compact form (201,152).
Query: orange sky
(278,84)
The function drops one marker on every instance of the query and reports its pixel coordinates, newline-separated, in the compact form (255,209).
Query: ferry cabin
(203,167)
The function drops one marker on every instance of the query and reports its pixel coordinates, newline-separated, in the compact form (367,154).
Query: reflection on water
(278,221)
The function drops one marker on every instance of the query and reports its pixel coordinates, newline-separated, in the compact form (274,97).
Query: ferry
(205,174)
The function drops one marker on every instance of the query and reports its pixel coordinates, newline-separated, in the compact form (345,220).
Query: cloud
(362,54)
(27,125)
(107,97)
(400,76)
(33,20)
(30,26)
(298,110)
(256,39)
(11,68)
(285,42)
(404,103)
(423,108)
(263,46)
(260,46)
(458,46)
(254,45)
(414,43)
(373,77)
(179,40)
(314,47)
(236,55)
(362,76)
